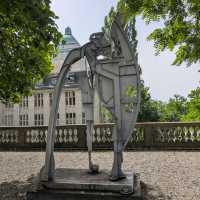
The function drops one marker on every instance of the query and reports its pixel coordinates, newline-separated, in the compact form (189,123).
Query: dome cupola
(68,38)
(68,31)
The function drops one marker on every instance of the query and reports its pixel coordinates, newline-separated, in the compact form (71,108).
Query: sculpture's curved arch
(48,170)
(117,31)
(129,56)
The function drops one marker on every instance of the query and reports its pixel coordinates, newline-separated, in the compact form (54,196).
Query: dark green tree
(150,110)
(128,25)
(28,41)
(193,106)
(181,30)
(175,109)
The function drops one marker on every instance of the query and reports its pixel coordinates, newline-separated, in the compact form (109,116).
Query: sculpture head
(101,45)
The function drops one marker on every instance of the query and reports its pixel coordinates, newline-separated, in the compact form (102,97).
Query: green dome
(68,31)
(68,38)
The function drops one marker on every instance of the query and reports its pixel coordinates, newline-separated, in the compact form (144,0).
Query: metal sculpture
(117,82)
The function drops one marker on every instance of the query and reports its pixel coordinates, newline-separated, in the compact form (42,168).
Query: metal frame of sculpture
(118,86)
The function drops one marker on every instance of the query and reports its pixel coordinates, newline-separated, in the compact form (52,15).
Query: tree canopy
(174,109)
(178,108)
(181,30)
(150,109)
(193,106)
(28,40)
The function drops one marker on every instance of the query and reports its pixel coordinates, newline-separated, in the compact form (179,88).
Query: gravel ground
(164,175)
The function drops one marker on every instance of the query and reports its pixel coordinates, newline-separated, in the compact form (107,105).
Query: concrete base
(72,195)
(71,184)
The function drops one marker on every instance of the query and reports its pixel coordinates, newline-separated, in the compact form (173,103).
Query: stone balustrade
(155,136)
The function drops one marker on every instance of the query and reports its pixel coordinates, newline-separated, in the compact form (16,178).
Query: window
(24,102)
(70,98)
(50,99)
(70,118)
(71,78)
(83,118)
(8,120)
(38,100)
(53,81)
(39,119)
(23,120)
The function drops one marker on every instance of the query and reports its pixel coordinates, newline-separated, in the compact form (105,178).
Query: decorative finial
(68,31)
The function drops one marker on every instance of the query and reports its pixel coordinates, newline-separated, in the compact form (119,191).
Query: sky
(164,80)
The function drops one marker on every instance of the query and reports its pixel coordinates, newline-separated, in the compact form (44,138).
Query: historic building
(34,110)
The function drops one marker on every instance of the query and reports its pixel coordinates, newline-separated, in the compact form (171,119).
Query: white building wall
(31,111)
(16,111)
(61,109)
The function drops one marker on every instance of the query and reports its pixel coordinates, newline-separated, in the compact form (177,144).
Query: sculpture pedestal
(71,184)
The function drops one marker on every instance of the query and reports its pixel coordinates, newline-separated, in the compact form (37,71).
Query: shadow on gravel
(16,190)
(150,192)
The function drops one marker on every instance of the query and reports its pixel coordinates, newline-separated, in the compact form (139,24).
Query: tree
(175,109)
(181,30)
(193,106)
(150,110)
(28,41)
(106,115)
(128,25)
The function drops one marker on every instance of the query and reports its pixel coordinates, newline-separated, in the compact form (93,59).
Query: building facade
(34,110)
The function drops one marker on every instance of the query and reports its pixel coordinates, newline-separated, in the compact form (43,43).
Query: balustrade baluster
(146,135)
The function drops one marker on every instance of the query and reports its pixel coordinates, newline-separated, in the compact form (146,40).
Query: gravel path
(165,175)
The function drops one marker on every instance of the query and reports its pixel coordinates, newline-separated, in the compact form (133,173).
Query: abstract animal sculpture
(117,81)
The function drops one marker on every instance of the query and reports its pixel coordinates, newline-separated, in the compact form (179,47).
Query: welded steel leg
(117,173)
(90,128)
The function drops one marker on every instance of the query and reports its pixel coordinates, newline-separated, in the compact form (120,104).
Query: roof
(68,38)
(71,80)
(68,43)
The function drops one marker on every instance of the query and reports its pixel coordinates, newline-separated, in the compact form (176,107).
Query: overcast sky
(87,16)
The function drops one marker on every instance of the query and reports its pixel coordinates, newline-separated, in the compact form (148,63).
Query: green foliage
(181,30)
(174,109)
(108,23)
(150,110)
(106,115)
(193,106)
(28,41)
(128,23)
(131,93)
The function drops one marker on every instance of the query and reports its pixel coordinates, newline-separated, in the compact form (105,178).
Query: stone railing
(166,135)
(158,136)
